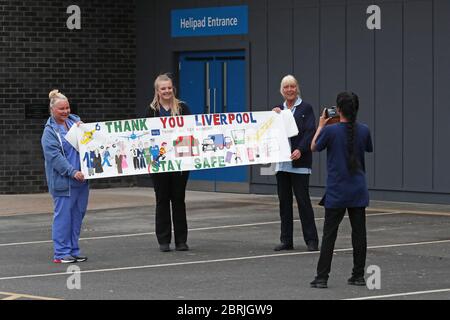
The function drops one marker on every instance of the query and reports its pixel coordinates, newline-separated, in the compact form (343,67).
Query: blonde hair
(55,96)
(156,105)
(289,79)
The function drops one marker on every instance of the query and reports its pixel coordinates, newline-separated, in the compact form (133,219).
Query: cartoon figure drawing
(124,161)
(98,162)
(106,156)
(154,151)
(135,154)
(119,161)
(250,154)
(89,162)
(122,155)
(229,156)
(162,151)
(141,157)
(237,156)
(146,153)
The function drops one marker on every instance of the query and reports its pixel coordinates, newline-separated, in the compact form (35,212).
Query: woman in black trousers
(293,176)
(346,190)
(170,187)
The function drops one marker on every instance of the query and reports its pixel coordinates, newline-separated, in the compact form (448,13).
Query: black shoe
(165,247)
(181,247)
(319,283)
(357,281)
(312,246)
(80,258)
(284,246)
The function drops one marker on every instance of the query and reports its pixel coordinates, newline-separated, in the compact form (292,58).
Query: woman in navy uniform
(170,187)
(346,190)
(293,176)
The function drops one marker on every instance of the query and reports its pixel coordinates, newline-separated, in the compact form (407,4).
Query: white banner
(195,142)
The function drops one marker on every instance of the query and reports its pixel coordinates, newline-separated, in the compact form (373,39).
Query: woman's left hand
(276,109)
(296,154)
(79,123)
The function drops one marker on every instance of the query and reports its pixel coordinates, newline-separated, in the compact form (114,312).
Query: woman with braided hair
(346,190)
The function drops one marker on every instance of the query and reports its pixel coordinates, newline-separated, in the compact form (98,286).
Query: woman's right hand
(323,119)
(276,109)
(79,176)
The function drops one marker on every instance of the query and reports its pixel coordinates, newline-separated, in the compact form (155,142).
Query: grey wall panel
(279,46)
(165,56)
(258,51)
(332,53)
(306,61)
(332,60)
(171,43)
(400,72)
(145,62)
(360,71)
(279,54)
(388,129)
(259,73)
(418,97)
(442,95)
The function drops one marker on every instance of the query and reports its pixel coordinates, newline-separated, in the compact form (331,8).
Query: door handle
(214,100)
(208,90)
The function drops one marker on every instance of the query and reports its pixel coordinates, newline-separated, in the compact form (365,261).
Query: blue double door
(214,82)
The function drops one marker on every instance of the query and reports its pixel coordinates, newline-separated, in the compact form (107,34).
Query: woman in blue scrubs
(346,143)
(65,181)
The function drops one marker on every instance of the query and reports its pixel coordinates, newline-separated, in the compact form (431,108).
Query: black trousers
(299,184)
(333,218)
(170,189)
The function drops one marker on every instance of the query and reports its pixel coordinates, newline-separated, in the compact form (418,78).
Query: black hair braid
(348,103)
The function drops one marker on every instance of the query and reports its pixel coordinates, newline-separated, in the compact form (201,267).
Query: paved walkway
(101,199)
(231,237)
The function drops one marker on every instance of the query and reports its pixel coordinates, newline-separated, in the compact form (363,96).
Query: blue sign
(210,21)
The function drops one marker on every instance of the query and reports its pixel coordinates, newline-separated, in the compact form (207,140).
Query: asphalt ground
(231,237)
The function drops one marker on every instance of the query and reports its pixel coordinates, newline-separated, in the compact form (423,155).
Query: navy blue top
(306,124)
(345,190)
(164,113)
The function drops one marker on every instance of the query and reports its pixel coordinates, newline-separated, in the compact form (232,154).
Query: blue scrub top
(71,153)
(345,190)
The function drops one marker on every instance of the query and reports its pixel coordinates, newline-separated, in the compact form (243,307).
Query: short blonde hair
(289,79)
(55,96)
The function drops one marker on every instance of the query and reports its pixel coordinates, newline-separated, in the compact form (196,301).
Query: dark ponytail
(348,104)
